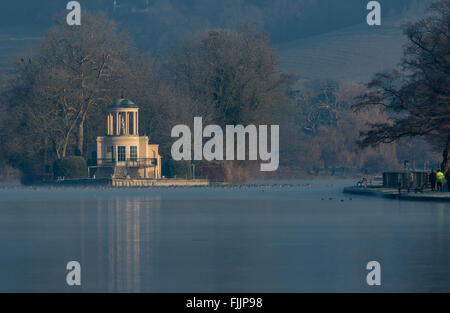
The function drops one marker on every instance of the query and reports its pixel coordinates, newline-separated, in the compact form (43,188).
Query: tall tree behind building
(230,76)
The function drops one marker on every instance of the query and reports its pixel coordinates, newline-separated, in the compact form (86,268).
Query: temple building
(122,153)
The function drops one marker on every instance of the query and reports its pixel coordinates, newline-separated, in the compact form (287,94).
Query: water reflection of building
(122,152)
(128,241)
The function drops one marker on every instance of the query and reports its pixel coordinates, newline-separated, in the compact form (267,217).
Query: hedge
(70,167)
(177,169)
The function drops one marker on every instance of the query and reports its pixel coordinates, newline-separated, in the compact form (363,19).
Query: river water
(308,237)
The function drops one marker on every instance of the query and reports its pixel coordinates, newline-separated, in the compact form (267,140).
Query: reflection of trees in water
(419,259)
(128,235)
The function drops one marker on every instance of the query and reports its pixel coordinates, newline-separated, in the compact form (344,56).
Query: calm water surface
(304,238)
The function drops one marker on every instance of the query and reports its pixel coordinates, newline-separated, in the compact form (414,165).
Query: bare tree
(230,76)
(83,67)
(417,96)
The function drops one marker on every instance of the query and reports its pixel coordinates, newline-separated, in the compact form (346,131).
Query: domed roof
(122,103)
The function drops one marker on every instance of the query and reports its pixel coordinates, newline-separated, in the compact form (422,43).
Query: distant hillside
(13,42)
(349,54)
(352,53)
(312,36)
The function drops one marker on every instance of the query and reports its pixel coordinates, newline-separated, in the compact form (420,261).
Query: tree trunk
(80,143)
(64,151)
(446,155)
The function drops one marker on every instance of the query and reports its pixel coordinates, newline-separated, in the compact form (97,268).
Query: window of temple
(133,153)
(131,123)
(121,153)
(114,124)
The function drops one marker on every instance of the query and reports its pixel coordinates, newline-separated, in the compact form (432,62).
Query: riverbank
(116,182)
(393,193)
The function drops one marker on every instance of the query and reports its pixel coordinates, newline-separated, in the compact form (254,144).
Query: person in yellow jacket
(440,180)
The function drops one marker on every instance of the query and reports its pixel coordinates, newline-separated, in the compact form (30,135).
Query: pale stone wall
(153,152)
(144,151)
(127,141)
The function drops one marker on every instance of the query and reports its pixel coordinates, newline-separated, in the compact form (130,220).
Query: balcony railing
(139,162)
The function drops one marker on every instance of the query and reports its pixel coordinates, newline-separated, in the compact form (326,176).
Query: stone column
(134,123)
(127,124)
(107,124)
(117,124)
(111,120)
(137,123)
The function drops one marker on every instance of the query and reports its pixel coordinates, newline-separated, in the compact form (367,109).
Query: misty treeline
(53,104)
(328,131)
